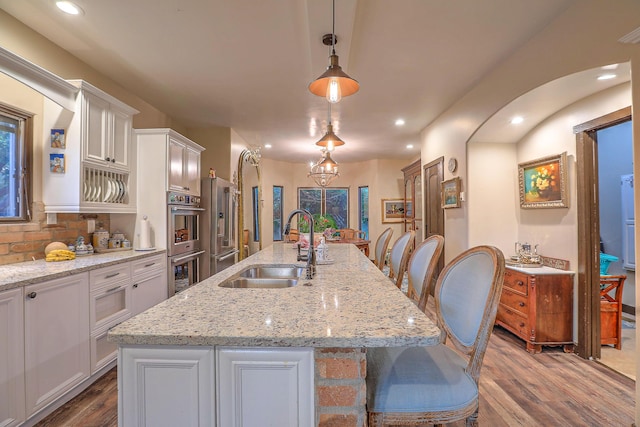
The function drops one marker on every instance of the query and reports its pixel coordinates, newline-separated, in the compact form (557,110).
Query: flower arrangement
(320,224)
(543,180)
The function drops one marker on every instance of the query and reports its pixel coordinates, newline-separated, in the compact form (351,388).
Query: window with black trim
(15,153)
(278,192)
(329,202)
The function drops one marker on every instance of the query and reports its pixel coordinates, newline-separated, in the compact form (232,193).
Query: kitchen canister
(101,239)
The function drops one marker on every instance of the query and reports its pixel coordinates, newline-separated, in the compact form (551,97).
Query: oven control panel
(174,198)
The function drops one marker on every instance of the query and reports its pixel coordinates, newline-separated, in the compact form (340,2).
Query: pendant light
(325,171)
(330,140)
(333,83)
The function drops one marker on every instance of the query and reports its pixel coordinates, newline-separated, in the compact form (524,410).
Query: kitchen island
(294,356)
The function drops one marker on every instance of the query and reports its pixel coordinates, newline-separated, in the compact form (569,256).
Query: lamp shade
(334,83)
(330,140)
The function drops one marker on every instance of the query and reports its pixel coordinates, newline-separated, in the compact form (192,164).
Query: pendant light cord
(333,30)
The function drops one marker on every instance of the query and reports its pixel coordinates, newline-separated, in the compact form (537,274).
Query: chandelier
(333,83)
(325,170)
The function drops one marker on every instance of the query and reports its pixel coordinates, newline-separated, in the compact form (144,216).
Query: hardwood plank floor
(516,389)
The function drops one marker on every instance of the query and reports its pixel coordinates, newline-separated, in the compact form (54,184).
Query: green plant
(320,223)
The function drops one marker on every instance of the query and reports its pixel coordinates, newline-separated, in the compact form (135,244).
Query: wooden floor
(516,389)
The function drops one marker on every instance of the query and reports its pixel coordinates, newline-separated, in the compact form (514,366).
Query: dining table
(361,244)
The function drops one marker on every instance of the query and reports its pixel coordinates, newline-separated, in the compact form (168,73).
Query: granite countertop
(350,303)
(29,272)
(539,270)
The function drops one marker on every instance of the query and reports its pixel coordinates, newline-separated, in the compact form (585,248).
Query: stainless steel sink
(259,283)
(275,271)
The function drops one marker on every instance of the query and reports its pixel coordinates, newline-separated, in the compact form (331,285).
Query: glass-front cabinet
(412,200)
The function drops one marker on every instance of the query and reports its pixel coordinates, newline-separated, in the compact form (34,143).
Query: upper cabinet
(98,158)
(180,155)
(184,166)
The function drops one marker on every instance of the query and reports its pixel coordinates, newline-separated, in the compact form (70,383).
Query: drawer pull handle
(108,159)
(520,283)
(135,285)
(522,324)
(521,304)
(149,265)
(108,291)
(32,295)
(109,276)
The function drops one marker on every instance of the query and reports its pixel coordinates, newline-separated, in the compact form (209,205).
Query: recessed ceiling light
(517,120)
(267,145)
(607,77)
(409,146)
(400,122)
(69,7)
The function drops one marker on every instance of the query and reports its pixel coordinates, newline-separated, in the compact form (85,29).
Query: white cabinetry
(99,156)
(258,386)
(149,277)
(12,409)
(165,157)
(109,304)
(166,386)
(56,328)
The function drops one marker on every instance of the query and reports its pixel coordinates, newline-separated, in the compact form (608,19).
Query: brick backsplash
(26,241)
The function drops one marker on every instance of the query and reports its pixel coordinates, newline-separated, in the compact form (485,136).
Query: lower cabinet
(12,408)
(149,277)
(265,387)
(56,334)
(245,387)
(166,386)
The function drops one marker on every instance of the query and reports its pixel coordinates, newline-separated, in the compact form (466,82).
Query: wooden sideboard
(537,306)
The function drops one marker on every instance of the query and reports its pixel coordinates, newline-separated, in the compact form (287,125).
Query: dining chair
(421,269)
(399,257)
(439,384)
(382,244)
(611,309)
(347,233)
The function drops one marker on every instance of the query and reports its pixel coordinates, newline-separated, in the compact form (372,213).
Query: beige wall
(217,153)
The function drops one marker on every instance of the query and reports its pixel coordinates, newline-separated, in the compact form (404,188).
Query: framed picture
(393,210)
(543,182)
(450,193)
(58,138)
(56,163)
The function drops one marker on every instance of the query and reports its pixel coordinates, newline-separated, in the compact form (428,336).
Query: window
(363,210)
(277,212)
(256,213)
(326,201)
(14,164)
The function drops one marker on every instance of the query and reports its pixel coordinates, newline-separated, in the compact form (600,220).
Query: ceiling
(246,64)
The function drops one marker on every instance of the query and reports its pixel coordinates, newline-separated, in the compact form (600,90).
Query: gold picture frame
(543,182)
(393,210)
(450,193)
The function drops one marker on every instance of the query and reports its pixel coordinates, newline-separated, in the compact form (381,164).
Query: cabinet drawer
(150,264)
(109,304)
(102,351)
(112,274)
(513,320)
(516,281)
(515,301)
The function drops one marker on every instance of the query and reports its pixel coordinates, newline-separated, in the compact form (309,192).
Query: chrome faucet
(311,256)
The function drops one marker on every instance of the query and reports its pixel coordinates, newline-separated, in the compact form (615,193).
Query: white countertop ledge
(26,273)
(349,304)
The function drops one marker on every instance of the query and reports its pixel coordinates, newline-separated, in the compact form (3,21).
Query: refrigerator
(218,226)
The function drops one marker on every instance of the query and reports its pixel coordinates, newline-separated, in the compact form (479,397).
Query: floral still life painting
(543,182)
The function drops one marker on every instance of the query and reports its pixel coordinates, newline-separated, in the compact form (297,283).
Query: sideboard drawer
(515,301)
(516,281)
(513,320)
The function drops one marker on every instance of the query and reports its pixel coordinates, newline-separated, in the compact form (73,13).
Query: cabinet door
(176,165)
(193,171)
(166,386)
(12,408)
(148,291)
(120,139)
(247,380)
(94,129)
(56,325)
